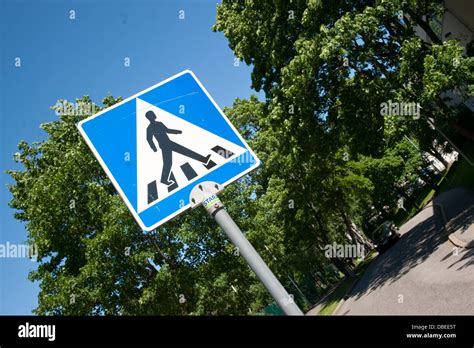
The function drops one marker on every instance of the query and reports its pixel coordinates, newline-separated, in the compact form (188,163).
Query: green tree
(94,259)
(327,154)
(327,67)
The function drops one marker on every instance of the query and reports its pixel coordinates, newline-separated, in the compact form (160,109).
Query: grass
(338,294)
(423,197)
(427,198)
(461,174)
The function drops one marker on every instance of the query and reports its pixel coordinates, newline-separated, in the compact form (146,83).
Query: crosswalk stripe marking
(188,171)
(152,192)
(222,152)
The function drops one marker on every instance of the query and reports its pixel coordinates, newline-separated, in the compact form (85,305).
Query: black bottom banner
(161,330)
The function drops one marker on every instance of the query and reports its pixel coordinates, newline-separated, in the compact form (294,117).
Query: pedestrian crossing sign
(157,145)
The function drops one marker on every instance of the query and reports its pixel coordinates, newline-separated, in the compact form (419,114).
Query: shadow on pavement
(412,248)
(424,236)
(455,207)
(458,205)
(467,256)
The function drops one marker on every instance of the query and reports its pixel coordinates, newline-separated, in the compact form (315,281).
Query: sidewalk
(463,229)
(458,208)
(432,277)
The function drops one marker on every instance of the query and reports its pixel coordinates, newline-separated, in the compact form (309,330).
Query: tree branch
(424,25)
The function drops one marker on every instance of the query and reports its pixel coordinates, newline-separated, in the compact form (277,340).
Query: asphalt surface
(423,273)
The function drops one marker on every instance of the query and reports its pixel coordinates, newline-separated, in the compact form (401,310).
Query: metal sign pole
(205,194)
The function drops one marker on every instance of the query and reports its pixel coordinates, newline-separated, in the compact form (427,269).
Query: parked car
(385,236)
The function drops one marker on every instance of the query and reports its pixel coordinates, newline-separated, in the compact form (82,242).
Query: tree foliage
(329,158)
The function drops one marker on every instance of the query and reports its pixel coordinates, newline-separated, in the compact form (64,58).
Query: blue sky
(63,58)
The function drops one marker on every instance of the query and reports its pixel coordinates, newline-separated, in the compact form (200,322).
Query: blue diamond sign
(157,145)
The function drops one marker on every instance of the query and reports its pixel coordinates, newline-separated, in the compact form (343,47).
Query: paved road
(422,273)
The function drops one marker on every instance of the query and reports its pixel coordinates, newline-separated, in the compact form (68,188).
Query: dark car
(385,236)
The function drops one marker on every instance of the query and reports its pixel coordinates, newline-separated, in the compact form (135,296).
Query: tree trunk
(424,25)
(436,154)
(340,264)
(355,233)
(362,235)
(408,199)
(428,178)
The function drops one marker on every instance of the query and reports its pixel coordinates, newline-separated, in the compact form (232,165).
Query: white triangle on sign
(194,138)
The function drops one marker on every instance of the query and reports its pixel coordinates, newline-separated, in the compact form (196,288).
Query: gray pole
(216,209)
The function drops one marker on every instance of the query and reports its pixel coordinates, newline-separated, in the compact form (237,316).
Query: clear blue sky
(64,59)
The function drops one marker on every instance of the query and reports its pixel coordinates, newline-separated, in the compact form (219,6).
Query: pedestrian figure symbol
(173,153)
(159,131)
